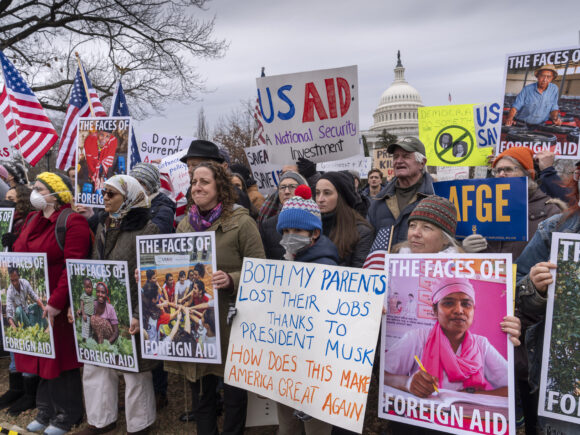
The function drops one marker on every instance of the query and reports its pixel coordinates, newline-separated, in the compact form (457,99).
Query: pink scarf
(201,223)
(438,356)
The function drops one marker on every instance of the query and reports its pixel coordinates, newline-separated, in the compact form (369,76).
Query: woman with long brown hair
(341,223)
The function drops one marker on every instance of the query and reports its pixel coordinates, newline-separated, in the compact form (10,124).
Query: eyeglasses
(287,187)
(109,193)
(508,170)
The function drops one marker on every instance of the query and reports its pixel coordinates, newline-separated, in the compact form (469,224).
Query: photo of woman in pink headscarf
(453,357)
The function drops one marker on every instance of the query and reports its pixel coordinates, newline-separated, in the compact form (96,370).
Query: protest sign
(101,305)
(6,218)
(424,348)
(449,136)
(266,173)
(178,305)
(487,119)
(174,179)
(383,161)
(155,146)
(102,152)
(361,164)
(6,151)
(298,336)
(311,114)
(559,391)
(528,115)
(448,173)
(25,276)
(261,411)
(496,208)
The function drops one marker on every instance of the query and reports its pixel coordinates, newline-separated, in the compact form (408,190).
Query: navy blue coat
(322,252)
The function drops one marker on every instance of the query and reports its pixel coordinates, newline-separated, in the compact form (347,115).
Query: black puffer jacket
(271,239)
(362,248)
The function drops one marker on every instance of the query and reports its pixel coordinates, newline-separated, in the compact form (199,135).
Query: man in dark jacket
(393,205)
(162,207)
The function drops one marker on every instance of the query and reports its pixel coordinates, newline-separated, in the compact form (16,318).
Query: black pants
(529,403)
(204,398)
(159,380)
(59,400)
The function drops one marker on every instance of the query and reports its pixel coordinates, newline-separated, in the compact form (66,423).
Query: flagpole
(17,126)
(85,84)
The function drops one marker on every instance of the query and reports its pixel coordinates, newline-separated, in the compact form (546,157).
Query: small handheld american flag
(379,250)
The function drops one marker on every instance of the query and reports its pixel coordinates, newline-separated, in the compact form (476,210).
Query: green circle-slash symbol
(459,134)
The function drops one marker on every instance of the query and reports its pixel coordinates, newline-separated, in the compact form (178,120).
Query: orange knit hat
(525,157)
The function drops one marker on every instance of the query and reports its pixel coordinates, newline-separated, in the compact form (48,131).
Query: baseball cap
(409,144)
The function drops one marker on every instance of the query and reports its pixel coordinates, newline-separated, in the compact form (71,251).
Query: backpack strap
(60,228)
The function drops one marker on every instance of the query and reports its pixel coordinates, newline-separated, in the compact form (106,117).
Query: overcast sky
(455,47)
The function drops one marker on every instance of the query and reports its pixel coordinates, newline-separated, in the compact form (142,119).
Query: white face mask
(38,200)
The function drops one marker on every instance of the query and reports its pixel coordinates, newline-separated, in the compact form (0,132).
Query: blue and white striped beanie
(300,212)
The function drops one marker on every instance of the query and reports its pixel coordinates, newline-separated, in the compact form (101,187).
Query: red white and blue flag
(78,108)
(28,127)
(379,250)
(119,107)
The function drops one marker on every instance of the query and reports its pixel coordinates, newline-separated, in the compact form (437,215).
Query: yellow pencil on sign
(423,368)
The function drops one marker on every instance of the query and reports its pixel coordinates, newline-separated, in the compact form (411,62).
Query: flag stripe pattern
(28,127)
(78,108)
(119,107)
(379,250)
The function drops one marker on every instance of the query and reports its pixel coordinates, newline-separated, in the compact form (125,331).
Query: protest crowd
(313,217)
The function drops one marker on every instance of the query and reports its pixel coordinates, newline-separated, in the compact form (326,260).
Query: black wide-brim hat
(203,149)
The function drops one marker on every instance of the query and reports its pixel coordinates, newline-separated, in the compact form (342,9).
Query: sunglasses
(109,193)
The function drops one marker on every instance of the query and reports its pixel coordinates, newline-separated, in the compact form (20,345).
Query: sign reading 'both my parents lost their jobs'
(496,208)
(297,336)
(310,114)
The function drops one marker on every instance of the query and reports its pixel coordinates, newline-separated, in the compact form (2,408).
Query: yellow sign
(448,133)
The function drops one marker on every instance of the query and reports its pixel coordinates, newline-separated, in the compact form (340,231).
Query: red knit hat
(525,157)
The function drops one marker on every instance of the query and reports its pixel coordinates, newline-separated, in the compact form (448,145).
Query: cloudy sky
(455,47)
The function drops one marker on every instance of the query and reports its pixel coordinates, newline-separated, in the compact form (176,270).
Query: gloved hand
(8,240)
(306,168)
(232,311)
(474,243)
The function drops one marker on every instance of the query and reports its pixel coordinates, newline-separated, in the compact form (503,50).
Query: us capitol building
(397,109)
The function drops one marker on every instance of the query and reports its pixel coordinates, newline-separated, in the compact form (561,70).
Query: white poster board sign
(266,173)
(297,336)
(311,114)
(361,164)
(155,146)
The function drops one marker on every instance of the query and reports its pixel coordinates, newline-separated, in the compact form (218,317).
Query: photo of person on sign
(100,148)
(453,357)
(537,102)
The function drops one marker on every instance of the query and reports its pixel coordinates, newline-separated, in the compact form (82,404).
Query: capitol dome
(397,109)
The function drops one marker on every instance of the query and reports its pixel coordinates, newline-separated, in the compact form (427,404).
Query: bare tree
(235,131)
(151,44)
(202,129)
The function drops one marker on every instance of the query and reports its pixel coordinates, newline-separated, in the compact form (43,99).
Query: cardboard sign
(496,208)
(297,336)
(155,146)
(361,164)
(527,113)
(415,343)
(449,136)
(266,173)
(24,329)
(311,114)
(178,305)
(101,305)
(559,393)
(102,152)
(383,161)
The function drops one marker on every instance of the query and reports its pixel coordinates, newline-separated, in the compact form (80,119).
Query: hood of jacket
(323,248)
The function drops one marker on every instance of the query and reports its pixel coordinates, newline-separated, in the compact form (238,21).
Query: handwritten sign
(414,340)
(6,151)
(487,118)
(6,218)
(101,306)
(559,394)
(266,173)
(496,208)
(155,146)
(297,336)
(383,161)
(449,136)
(310,114)
(361,164)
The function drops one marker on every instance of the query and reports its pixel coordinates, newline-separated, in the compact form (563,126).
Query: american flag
(449,97)
(28,127)
(78,107)
(379,250)
(259,138)
(119,107)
